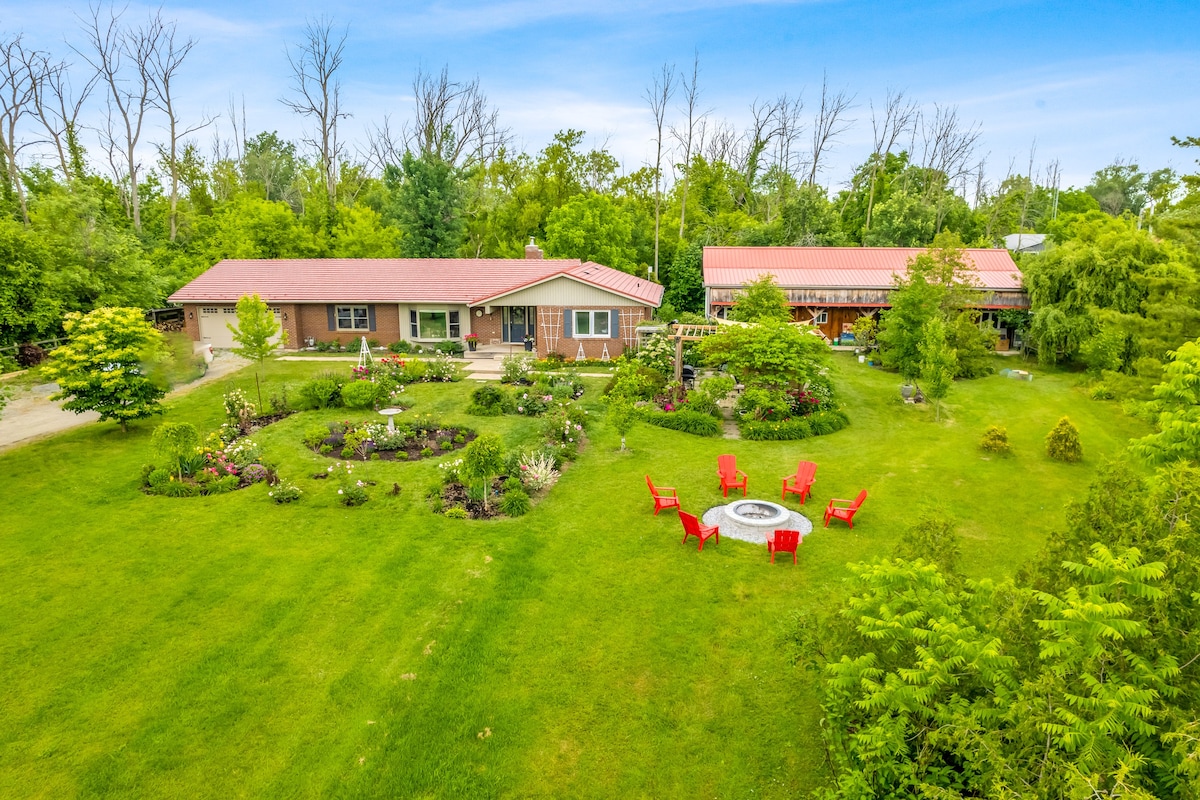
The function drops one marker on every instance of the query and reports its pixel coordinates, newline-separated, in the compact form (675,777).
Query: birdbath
(391,413)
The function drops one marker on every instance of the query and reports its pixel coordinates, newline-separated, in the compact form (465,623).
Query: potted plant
(529,340)
(472,340)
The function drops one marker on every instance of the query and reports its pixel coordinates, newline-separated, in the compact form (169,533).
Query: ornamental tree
(176,441)
(622,415)
(103,368)
(483,459)
(255,333)
(772,354)
(938,362)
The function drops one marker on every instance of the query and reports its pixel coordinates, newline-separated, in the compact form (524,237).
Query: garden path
(33,415)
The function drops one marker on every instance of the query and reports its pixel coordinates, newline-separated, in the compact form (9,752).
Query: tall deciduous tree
(686,290)
(124,57)
(935,285)
(317,95)
(591,227)
(658,96)
(163,66)
(104,366)
(761,301)
(28,307)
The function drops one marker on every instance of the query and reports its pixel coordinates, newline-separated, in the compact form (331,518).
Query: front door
(518,322)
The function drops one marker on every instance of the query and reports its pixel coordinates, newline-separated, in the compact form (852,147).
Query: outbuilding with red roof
(563,305)
(831,287)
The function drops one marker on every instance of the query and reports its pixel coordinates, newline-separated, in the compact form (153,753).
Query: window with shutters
(592,324)
(352,318)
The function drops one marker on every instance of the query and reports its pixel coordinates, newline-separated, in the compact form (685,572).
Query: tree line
(84,227)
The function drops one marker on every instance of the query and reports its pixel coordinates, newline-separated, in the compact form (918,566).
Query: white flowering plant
(537,470)
(284,492)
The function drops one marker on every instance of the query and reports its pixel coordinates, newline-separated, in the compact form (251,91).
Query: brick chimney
(532,250)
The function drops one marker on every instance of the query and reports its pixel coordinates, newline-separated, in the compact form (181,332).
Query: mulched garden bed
(455,494)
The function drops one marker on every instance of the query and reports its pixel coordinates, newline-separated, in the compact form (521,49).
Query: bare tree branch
(17,94)
(658,96)
(165,61)
(317,94)
(58,109)
(453,120)
(688,136)
(828,125)
(122,57)
(898,118)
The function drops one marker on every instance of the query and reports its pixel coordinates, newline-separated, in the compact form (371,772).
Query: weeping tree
(483,460)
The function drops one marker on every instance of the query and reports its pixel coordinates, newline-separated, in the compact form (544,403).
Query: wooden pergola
(688,333)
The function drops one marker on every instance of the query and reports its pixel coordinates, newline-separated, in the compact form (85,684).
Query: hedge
(685,421)
(818,424)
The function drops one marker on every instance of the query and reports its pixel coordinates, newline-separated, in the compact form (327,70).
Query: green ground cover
(226,646)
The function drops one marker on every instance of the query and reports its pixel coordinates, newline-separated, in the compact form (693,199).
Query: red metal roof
(398,280)
(842,267)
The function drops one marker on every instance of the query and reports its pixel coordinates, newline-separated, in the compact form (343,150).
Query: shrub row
(693,422)
(818,424)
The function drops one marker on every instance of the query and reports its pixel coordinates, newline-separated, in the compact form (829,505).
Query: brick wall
(593,348)
(312,320)
(191,320)
(489,328)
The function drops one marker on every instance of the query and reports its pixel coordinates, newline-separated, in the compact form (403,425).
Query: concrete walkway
(32,415)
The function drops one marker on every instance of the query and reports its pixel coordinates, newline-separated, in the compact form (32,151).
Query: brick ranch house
(831,287)
(568,306)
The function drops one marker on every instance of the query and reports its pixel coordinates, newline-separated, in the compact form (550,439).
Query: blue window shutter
(568,322)
(332,316)
(371,317)
(614,323)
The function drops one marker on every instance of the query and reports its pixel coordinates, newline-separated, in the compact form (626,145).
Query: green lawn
(227,647)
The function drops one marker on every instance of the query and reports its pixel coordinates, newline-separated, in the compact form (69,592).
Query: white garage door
(213,322)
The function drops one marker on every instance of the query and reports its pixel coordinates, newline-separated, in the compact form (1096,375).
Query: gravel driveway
(31,414)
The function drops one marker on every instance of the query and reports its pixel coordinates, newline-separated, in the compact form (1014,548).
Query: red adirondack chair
(844,512)
(783,542)
(664,496)
(692,527)
(800,483)
(731,476)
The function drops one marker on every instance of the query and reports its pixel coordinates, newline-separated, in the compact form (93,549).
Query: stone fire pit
(755,520)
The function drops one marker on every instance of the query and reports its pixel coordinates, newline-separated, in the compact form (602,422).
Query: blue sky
(1088,82)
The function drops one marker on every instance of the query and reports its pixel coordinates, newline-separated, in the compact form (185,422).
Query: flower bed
(529,477)
(215,468)
(418,438)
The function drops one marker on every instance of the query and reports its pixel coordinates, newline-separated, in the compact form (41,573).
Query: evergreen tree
(427,200)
